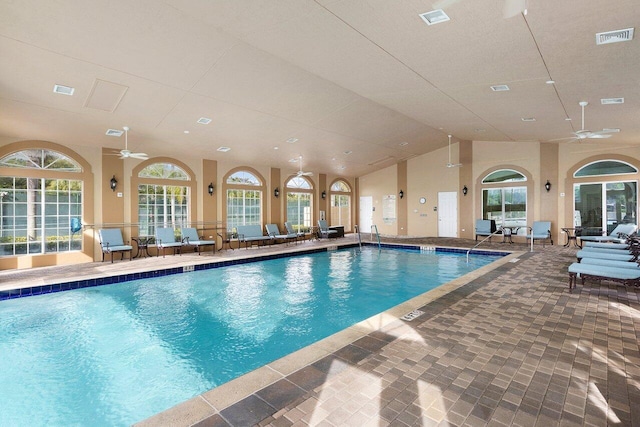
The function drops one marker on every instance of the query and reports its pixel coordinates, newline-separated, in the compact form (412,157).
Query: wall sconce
(113,183)
(401,194)
(323,195)
(276,192)
(210,189)
(465,190)
(547,186)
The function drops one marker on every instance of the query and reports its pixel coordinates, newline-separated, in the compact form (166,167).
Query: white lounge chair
(274,232)
(617,235)
(190,238)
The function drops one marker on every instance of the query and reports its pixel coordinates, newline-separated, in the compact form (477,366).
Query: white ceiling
(351,75)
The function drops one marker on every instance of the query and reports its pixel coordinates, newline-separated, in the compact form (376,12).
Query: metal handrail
(359,239)
(377,234)
(482,241)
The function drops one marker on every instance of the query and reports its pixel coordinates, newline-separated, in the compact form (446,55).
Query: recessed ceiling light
(63,90)
(614,36)
(568,119)
(292,140)
(204,120)
(607,101)
(293,160)
(276,148)
(114,132)
(347,152)
(224,149)
(500,88)
(528,119)
(186,131)
(550,82)
(434,17)
(402,144)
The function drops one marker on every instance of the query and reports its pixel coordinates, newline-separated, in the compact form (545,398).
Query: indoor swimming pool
(117,354)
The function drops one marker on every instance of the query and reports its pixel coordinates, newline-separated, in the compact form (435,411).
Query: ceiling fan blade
(307,173)
(454,165)
(140,156)
(597,135)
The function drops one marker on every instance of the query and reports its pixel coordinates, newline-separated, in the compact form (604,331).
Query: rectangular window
(299,210)
(600,207)
(507,206)
(36,213)
(162,206)
(341,211)
(244,207)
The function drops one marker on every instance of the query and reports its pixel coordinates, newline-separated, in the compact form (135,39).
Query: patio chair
(190,238)
(541,230)
(485,227)
(166,238)
(111,241)
(324,229)
(617,235)
(274,232)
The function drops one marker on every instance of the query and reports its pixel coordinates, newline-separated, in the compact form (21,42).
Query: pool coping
(222,402)
(198,265)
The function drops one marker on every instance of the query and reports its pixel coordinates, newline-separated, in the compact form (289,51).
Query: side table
(570,233)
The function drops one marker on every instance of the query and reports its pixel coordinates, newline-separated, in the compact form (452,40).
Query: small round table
(142,244)
(507,232)
(570,233)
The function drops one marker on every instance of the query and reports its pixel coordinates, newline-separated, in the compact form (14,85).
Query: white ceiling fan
(584,133)
(300,172)
(449,164)
(126,153)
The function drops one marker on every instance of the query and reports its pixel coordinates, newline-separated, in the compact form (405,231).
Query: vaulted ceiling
(351,85)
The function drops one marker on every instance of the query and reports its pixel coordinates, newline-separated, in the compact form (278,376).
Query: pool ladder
(482,241)
(375,227)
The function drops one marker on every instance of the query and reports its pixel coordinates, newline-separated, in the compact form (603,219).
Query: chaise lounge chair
(324,229)
(250,234)
(166,238)
(111,241)
(190,238)
(626,276)
(274,232)
(290,230)
(617,235)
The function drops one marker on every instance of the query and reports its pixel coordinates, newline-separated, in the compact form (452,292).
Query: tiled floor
(508,346)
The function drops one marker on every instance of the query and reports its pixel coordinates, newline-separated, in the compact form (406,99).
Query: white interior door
(366,214)
(448,214)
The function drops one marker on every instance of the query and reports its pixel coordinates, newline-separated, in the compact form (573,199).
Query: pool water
(117,354)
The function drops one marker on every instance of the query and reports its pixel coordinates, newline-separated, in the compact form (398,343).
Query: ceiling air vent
(114,132)
(500,88)
(611,130)
(224,149)
(434,17)
(204,120)
(63,90)
(608,101)
(614,36)
(528,119)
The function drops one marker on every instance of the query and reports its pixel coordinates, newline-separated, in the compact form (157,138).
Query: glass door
(600,207)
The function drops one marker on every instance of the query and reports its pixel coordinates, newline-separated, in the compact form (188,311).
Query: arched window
(299,203)
(503,201)
(341,204)
(606,199)
(40,193)
(163,199)
(244,199)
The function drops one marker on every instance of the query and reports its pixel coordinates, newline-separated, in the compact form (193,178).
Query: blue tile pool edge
(108,280)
